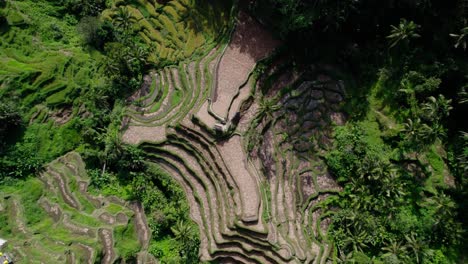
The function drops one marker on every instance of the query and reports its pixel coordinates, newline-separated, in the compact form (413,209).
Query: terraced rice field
(49,76)
(254,184)
(175,30)
(86,228)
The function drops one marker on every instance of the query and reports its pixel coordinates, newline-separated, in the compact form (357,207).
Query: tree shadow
(252,38)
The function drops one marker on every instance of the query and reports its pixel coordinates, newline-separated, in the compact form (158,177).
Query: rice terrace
(265,131)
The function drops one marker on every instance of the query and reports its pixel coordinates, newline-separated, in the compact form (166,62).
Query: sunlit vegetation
(398,161)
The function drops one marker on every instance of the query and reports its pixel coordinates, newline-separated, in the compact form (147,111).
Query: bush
(10,119)
(95,32)
(82,7)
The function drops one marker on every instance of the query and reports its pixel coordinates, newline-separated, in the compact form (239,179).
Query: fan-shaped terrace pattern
(176,29)
(252,182)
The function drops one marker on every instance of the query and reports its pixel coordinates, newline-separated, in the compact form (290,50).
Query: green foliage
(125,63)
(173,31)
(405,31)
(82,7)
(23,208)
(95,32)
(291,16)
(162,197)
(40,143)
(416,82)
(387,212)
(126,241)
(10,119)
(174,236)
(33,213)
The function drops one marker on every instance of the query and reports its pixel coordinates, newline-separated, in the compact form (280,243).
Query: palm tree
(345,258)
(392,186)
(463,94)
(405,31)
(463,156)
(444,105)
(140,54)
(136,58)
(408,90)
(427,134)
(357,238)
(123,19)
(182,231)
(395,250)
(112,66)
(372,168)
(442,203)
(435,109)
(266,109)
(416,246)
(362,258)
(411,129)
(461,38)
(420,135)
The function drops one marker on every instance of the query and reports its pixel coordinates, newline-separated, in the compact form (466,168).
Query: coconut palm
(139,54)
(345,258)
(266,109)
(415,245)
(461,38)
(182,231)
(427,134)
(112,67)
(463,94)
(123,19)
(372,168)
(392,187)
(357,239)
(405,31)
(136,58)
(435,109)
(463,157)
(443,204)
(444,105)
(411,129)
(395,249)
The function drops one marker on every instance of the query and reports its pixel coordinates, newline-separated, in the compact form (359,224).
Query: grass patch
(166,249)
(115,209)
(126,241)
(176,97)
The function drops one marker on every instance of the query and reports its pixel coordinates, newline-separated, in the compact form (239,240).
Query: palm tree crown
(405,31)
